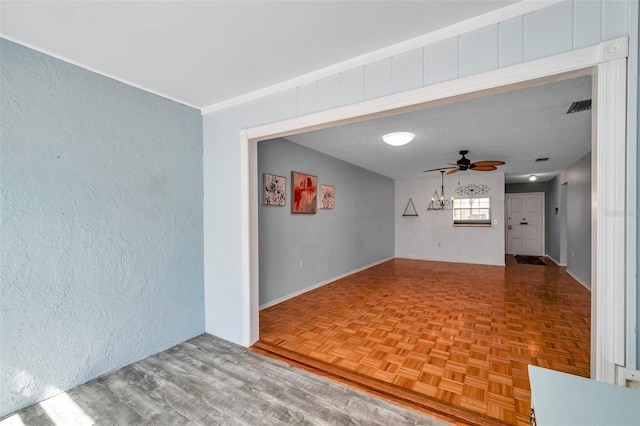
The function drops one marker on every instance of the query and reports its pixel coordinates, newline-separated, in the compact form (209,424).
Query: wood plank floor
(208,381)
(457,335)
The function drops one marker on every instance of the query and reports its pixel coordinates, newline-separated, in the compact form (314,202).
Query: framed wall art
(326,196)
(274,190)
(304,188)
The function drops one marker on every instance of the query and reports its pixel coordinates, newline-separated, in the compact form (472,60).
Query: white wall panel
(378,79)
(250,113)
(615,19)
(287,104)
(510,47)
(307,96)
(548,32)
(408,71)
(352,86)
(586,19)
(269,108)
(222,225)
(441,61)
(478,51)
(329,92)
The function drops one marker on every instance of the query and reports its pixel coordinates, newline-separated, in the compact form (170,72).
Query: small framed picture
(304,188)
(326,196)
(275,190)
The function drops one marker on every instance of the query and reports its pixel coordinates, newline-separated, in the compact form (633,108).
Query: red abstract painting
(304,188)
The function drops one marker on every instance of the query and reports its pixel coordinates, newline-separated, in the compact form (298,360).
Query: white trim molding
(632,195)
(520,8)
(610,232)
(582,283)
(518,76)
(607,64)
(555,261)
(249,235)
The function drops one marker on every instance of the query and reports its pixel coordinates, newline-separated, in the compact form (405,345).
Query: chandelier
(438,202)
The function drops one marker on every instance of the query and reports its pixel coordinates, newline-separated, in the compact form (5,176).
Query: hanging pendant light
(438,202)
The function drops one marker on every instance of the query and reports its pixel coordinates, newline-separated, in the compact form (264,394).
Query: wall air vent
(580,106)
(540,160)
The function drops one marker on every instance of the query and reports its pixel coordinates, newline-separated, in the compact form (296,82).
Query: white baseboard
(451,261)
(313,287)
(554,261)
(578,279)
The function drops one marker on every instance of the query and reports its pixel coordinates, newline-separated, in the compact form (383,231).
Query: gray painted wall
(556,225)
(102,245)
(516,188)
(578,218)
(357,232)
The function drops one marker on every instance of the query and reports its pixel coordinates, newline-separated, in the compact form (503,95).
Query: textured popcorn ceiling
(515,127)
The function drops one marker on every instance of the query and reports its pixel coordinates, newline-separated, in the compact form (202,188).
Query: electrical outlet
(301,263)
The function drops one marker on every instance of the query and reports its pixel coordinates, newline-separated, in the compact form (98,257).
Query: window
(472,211)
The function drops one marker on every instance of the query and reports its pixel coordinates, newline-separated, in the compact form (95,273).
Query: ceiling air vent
(539,160)
(580,106)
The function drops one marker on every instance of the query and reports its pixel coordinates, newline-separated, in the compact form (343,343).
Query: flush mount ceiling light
(533,178)
(398,138)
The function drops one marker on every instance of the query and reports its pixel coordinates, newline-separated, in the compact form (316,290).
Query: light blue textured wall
(101,225)
(357,232)
(559,28)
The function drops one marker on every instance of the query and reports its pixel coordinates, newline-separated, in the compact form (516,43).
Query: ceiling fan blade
(441,168)
(484,168)
(450,172)
(488,163)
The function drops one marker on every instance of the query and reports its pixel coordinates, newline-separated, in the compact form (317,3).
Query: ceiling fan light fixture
(533,178)
(398,138)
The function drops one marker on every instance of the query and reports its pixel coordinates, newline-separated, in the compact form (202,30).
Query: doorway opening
(609,252)
(310,328)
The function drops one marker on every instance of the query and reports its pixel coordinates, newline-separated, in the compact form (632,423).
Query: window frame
(472,222)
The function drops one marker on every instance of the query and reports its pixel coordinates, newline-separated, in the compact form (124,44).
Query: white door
(525,224)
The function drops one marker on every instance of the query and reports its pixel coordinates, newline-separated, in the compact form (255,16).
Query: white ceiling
(515,127)
(201,53)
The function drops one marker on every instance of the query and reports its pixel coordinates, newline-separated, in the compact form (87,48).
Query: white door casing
(525,224)
(607,64)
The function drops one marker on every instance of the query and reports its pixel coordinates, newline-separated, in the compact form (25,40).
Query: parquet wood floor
(457,334)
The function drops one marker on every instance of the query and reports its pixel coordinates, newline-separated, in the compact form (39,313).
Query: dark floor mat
(530,260)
